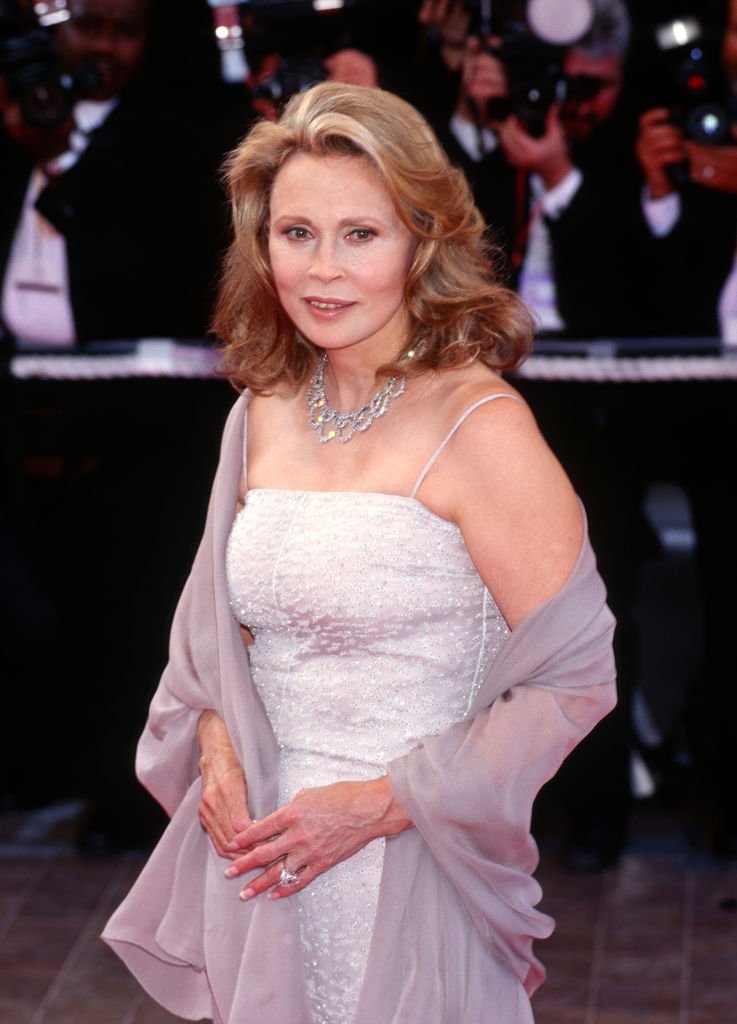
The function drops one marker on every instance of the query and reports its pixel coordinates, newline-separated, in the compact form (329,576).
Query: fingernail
(232,845)
(274,895)
(231,872)
(247,894)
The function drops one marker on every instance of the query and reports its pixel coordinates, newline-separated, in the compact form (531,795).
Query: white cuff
(661,214)
(475,142)
(557,199)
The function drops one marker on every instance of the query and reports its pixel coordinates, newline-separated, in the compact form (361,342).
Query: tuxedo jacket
(143,217)
(613,277)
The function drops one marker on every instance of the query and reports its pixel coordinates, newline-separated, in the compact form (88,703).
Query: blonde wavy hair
(458,310)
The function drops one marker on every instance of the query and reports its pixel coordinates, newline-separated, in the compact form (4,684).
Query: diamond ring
(288,878)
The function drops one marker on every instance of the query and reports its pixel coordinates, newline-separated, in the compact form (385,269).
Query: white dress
(372,629)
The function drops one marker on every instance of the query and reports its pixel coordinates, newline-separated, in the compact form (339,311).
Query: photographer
(566,176)
(273,83)
(690,192)
(110,230)
(291,47)
(82,257)
(558,181)
(686,150)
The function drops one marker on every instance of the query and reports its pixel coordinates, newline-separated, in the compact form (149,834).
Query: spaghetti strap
(461,419)
(245,449)
(245,446)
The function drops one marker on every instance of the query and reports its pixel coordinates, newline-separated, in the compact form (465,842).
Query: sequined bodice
(372,629)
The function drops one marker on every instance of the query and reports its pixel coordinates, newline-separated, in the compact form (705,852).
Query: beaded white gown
(372,629)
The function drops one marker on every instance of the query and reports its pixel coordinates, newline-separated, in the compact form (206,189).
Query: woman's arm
(223,807)
(520,517)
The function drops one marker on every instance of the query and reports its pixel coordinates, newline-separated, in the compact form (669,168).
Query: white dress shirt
(36,303)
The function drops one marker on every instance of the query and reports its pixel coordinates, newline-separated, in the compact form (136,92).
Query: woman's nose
(326,264)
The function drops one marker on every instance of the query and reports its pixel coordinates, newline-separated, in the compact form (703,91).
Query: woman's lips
(327,307)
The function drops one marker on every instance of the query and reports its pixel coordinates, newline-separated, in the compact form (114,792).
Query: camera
(292,75)
(534,80)
(30,69)
(301,32)
(530,41)
(697,93)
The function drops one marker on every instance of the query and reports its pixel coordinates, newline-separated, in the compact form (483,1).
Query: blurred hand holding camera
(483,79)
(714,166)
(662,148)
(546,155)
(450,19)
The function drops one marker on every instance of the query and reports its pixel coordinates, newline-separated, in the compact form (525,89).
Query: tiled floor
(653,940)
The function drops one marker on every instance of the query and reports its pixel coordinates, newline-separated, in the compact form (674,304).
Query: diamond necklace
(329,423)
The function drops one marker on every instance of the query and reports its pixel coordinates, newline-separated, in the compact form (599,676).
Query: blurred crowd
(600,138)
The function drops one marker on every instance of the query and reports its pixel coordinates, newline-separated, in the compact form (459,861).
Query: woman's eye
(362,234)
(297,234)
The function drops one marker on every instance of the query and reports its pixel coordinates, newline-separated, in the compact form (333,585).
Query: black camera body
(292,75)
(687,79)
(535,80)
(696,93)
(531,38)
(29,66)
(701,110)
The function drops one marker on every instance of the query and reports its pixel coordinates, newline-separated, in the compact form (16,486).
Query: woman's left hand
(318,828)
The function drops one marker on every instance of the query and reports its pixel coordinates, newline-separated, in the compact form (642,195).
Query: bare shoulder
(516,508)
(457,390)
(263,409)
(269,417)
(486,418)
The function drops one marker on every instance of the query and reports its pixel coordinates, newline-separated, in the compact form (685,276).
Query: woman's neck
(349,383)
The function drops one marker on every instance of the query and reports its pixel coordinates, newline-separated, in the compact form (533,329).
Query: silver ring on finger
(288,878)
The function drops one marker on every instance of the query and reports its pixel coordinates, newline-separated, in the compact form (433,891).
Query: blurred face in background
(110,35)
(581,115)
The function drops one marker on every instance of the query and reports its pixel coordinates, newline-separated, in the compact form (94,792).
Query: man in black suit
(125,187)
(561,191)
(689,166)
(111,229)
(639,230)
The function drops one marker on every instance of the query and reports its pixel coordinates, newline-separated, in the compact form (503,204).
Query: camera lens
(46,103)
(708,124)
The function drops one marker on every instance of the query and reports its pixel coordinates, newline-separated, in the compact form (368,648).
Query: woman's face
(340,255)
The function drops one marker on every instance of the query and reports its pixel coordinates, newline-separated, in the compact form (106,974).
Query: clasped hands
(315,830)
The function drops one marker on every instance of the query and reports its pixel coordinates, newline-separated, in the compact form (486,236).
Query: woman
(371,724)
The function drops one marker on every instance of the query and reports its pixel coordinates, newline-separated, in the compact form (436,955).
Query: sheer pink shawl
(457,915)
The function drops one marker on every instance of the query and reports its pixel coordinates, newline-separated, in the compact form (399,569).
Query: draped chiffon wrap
(457,913)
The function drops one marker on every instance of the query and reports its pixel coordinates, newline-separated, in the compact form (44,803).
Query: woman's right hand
(223,807)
